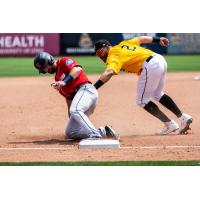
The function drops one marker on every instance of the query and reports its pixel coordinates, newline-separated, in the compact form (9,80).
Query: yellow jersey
(127,56)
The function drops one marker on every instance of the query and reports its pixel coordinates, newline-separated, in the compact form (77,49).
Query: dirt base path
(33,117)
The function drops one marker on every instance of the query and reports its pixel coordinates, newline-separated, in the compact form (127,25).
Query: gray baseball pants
(83,104)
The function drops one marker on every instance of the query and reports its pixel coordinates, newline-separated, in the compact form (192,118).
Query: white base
(197,78)
(99,143)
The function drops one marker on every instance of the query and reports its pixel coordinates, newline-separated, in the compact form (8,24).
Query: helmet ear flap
(51,60)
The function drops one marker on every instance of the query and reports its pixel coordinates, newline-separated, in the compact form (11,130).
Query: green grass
(24,66)
(117,163)
(183,62)
(92,65)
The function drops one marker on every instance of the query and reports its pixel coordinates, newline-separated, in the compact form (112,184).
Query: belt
(76,90)
(149,58)
(78,87)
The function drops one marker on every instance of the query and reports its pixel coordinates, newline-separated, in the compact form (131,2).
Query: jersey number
(129,48)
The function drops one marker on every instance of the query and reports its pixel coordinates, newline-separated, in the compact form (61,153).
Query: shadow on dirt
(154,135)
(48,142)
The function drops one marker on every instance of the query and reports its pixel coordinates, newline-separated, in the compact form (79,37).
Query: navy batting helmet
(43,59)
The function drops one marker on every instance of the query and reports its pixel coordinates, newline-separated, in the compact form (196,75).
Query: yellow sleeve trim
(116,70)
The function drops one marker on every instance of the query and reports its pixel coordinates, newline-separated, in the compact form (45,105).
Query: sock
(153,109)
(169,104)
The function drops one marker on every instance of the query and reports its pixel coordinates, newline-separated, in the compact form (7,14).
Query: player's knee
(75,114)
(157,97)
(140,103)
(69,132)
(72,110)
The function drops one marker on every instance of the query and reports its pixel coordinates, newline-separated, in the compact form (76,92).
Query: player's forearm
(75,72)
(148,39)
(105,77)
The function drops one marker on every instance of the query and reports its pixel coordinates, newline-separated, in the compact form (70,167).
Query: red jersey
(64,65)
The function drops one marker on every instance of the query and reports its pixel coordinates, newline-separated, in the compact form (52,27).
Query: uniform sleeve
(135,41)
(69,63)
(114,64)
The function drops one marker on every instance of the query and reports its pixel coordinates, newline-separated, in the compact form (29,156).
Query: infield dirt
(33,117)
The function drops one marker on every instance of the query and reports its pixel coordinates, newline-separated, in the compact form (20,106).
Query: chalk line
(75,147)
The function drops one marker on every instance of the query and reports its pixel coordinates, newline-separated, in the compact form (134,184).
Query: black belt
(78,87)
(149,58)
(76,90)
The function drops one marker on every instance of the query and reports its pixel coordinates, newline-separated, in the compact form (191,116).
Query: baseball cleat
(108,132)
(169,127)
(94,137)
(185,120)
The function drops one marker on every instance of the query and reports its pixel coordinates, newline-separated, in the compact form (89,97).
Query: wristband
(68,79)
(98,84)
(156,39)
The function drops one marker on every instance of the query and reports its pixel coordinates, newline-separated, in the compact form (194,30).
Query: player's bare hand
(57,85)
(164,41)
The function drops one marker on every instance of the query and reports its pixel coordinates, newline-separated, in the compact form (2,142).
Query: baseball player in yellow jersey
(151,68)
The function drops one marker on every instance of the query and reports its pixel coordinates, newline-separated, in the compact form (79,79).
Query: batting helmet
(43,59)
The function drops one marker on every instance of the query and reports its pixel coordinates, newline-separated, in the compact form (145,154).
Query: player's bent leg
(82,105)
(167,101)
(87,127)
(169,125)
(80,135)
(75,132)
(140,103)
(76,136)
(157,96)
(154,110)
(148,83)
(91,110)
(185,119)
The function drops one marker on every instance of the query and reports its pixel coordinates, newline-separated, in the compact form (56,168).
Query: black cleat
(110,132)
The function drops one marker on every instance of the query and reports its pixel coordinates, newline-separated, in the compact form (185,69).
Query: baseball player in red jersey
(81,96)
(129,56)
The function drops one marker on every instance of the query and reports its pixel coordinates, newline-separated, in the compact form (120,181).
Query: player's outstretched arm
(148,39)
(105,77)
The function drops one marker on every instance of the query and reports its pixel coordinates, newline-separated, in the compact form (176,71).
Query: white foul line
(71,148)
(162,147)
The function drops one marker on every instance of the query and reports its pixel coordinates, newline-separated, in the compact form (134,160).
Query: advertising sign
(83,43)
(28,44)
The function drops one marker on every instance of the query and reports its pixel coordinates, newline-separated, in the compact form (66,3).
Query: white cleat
(169,127)
(185,121)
